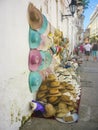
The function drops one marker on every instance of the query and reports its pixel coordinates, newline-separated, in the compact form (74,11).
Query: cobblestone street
(88,112)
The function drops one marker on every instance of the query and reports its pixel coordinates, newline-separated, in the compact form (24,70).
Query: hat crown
(35,59)
(34,16)
(32,13)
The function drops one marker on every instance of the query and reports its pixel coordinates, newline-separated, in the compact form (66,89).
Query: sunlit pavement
(88,110)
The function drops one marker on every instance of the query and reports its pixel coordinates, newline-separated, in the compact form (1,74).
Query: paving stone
(85,113)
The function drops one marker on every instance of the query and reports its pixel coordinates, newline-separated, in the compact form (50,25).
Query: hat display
(35,59)
(35,17)
(35,81)
(52,78)
(34,39)
(44,25)
(46,59)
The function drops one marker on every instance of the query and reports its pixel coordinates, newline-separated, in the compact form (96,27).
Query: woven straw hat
(35,17)
(35,59)
(35,81)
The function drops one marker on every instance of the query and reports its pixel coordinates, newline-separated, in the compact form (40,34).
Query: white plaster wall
(14,49)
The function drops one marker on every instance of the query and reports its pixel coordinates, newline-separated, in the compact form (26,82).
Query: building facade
(93,25)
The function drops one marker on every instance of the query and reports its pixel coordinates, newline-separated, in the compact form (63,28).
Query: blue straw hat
(35,81)
(34,38)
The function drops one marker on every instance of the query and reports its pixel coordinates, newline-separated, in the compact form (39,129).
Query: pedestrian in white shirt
(87,48)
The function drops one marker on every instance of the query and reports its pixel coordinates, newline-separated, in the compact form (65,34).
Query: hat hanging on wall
(35,59)
(35,81)
(34,39)
(35,17)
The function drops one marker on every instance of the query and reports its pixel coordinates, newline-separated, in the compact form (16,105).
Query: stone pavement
(88,112)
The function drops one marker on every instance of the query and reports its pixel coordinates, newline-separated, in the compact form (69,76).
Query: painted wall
(14,48)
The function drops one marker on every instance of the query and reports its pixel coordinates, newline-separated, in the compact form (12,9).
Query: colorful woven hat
(35,17)
(35,59)
(46,60)
(35,81)
(34,39)
(44,25)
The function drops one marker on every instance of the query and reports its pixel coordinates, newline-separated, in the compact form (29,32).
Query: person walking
(81,50)
(87,48)
(94,50)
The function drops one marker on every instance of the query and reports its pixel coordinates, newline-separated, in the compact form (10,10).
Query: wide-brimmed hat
(46,60)
(35,59)
(35,81)
(35,17)
(54,99)
(51,77)
(50,111)
(44,26)
(34,39)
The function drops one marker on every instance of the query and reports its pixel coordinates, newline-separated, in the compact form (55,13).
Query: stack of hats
(38,59)
(61,95)
(58,35)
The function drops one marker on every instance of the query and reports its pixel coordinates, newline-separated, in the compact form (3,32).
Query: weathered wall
(14,49)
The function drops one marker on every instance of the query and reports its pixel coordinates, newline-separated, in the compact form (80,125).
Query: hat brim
(44,26)
(57,94)
(46,60)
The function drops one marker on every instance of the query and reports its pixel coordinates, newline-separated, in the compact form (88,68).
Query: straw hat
(35,17)
(35,39)
(40,94)
(52,99)
(43,87)
(35,59)
(35,81)
(54,92)
(55,84)
(49,110)
(56,40)
(51,77)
